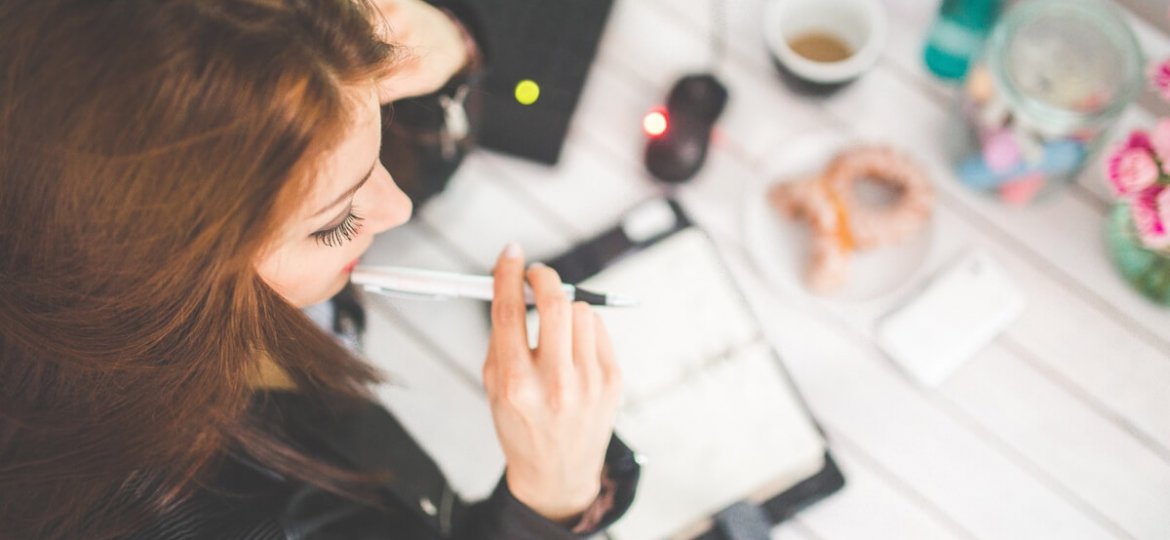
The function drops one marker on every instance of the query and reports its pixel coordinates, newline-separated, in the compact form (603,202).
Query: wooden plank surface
(1059,429)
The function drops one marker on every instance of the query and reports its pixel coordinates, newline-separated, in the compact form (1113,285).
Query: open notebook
(706,400)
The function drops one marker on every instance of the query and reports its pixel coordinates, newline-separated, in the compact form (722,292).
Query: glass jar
(1145,269)
(1053,78)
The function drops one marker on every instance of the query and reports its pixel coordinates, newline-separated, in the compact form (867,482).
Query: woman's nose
(389,206)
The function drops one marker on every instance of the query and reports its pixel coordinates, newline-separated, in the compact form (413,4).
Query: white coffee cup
(859,24)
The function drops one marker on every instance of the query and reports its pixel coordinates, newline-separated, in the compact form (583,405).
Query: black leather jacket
(246,501)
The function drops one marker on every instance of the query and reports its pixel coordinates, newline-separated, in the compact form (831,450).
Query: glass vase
(1145,269)
(1053,78)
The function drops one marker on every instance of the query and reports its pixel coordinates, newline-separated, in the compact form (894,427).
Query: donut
(831,245)
(874,227)
(840,223)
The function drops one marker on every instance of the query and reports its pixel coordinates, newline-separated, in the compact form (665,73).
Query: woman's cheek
(321,273)
(302,275)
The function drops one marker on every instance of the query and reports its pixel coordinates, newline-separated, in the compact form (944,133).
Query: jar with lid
(1053,78)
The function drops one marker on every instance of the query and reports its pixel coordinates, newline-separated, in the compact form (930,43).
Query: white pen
(434,285)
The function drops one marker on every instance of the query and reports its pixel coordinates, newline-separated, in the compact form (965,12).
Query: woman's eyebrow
(349,191)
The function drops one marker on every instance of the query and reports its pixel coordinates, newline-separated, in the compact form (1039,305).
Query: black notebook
(551,43)
(706,400)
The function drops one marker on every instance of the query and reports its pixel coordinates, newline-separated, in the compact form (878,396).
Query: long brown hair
(148,150)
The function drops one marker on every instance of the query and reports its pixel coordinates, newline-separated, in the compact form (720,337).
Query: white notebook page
(705,401)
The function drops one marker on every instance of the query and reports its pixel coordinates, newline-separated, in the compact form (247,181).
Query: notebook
(550,43)
(706,401)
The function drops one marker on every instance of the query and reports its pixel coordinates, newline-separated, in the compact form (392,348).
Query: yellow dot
(527,92)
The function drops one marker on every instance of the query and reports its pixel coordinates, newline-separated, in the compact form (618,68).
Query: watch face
(456,126)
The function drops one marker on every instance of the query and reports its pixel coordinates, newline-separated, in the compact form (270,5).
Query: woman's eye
(341,233)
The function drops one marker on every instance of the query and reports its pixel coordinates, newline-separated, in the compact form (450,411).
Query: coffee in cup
(821,45)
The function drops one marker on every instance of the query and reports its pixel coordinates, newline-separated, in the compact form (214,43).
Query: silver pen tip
(614,300)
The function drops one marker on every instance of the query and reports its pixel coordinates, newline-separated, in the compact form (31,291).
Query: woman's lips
(349,267)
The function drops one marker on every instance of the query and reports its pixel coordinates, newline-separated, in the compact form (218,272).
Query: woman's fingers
(584,338)
(509,324)
(585,346)
(555,344)
(611,373)
(436,40)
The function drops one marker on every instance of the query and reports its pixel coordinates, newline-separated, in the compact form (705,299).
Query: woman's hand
(433,48)
(554,406)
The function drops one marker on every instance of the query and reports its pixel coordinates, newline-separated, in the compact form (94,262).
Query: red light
(655,123)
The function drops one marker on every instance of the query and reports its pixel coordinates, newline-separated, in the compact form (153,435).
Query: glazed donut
(873,227)
(840,223)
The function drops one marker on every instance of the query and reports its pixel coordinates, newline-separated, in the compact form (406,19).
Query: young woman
(177,178)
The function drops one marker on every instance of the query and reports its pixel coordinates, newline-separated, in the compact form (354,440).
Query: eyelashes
(341,233)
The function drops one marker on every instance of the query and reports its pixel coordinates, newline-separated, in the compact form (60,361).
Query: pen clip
(404,295)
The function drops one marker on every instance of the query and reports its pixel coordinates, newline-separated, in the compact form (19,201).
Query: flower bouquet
(1138,171)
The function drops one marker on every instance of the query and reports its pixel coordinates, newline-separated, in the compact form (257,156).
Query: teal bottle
(957,36)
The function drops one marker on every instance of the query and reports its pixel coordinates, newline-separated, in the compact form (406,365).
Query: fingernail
(512,251)
(537,264)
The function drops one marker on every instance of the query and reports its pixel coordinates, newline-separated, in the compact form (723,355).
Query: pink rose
(1149,210)
(1159,75)
(1160,140)
(1139,139)
(1131,170)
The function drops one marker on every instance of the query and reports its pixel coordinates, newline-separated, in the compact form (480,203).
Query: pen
(434,285)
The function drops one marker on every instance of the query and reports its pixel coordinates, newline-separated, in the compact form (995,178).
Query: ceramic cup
(860,25)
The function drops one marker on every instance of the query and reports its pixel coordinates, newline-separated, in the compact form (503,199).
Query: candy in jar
(1054,77)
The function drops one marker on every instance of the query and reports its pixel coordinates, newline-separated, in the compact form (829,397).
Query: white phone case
(955,315)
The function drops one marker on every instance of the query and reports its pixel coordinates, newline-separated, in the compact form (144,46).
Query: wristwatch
(456,126)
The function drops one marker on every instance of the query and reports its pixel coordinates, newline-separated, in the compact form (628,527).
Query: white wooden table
(1059,429)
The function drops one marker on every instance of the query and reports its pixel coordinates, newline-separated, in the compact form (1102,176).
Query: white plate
(780,245)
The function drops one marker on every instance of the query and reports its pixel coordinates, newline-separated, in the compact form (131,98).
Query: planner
(706,401)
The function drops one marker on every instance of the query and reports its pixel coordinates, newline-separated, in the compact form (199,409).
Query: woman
(177,178)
